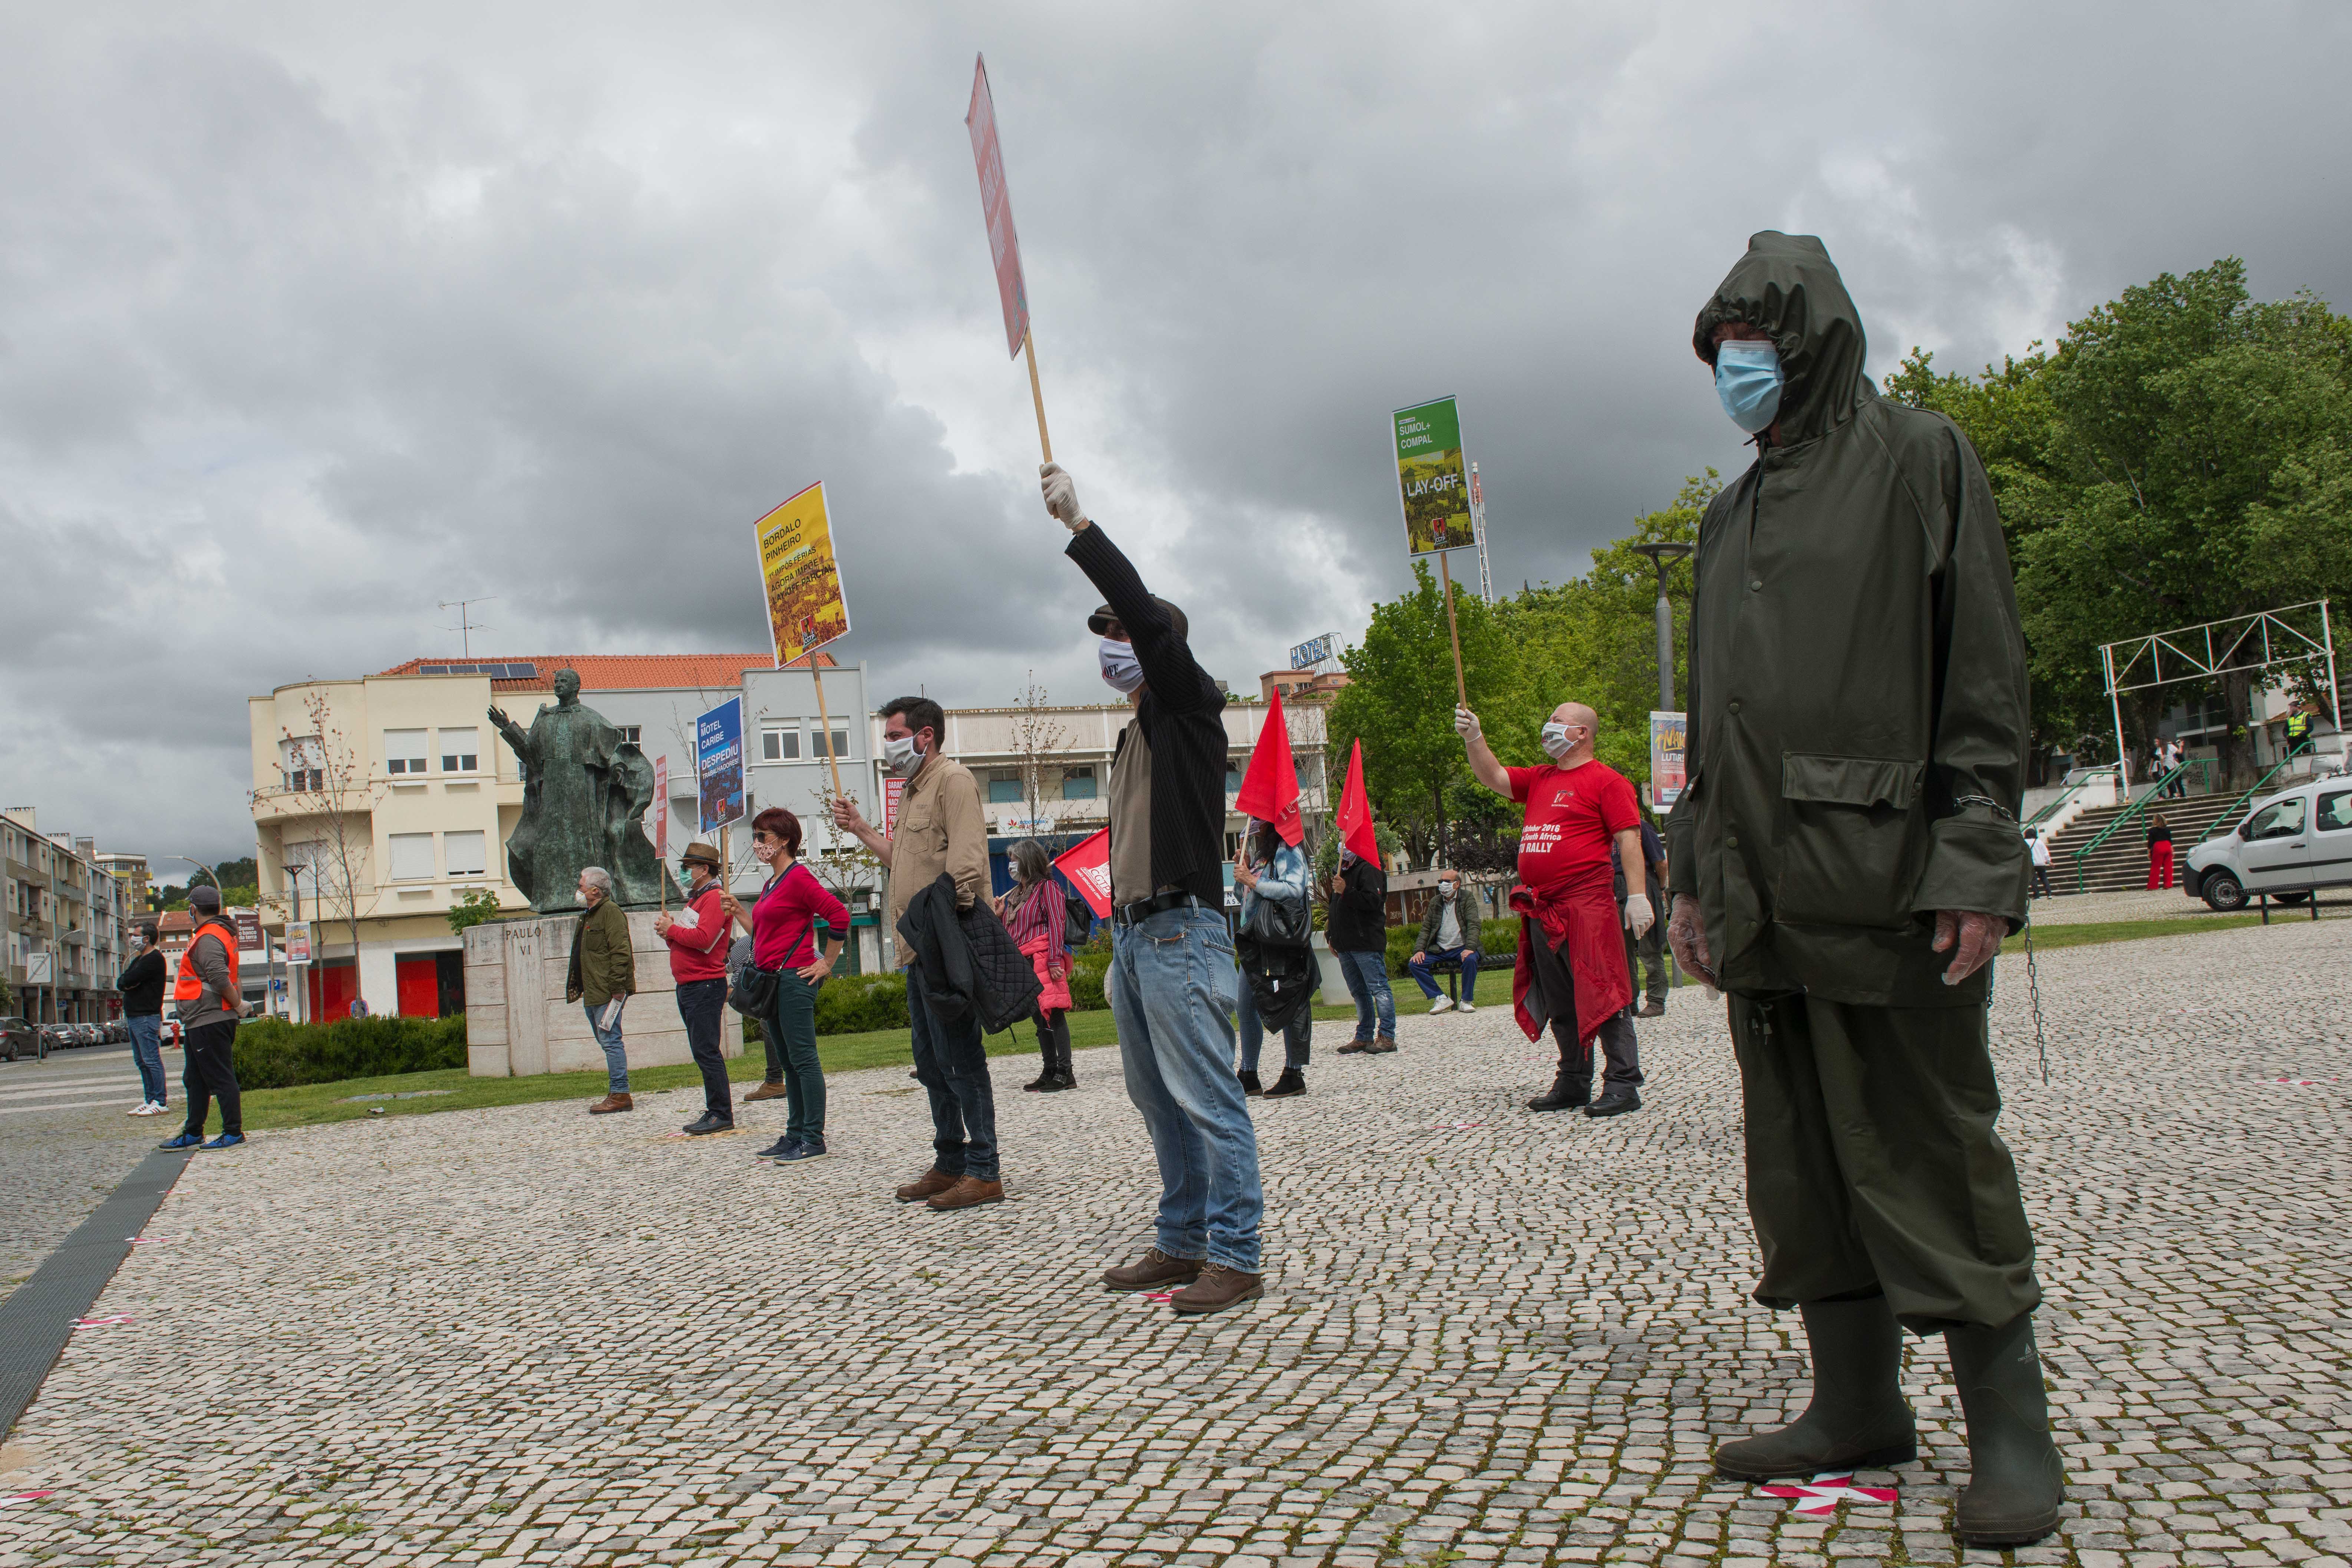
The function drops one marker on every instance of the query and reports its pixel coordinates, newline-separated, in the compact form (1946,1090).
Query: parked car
(91,1034)
(2290,845)
(19,1039)
(60,1036)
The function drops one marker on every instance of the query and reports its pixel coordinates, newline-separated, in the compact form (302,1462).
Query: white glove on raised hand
(1061,497)
(1639,916)
(1466,725)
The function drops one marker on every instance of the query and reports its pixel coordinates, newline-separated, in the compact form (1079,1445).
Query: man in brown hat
(697,937)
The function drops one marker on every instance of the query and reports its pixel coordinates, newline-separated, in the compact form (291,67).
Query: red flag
(1088,865)
(1355,815)
(1269,790)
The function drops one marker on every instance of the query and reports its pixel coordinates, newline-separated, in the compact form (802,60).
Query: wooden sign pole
(826,720)
(1461,690)
(1029,347)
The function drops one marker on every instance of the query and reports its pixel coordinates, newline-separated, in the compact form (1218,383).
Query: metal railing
(2231,811)
(2137,808)
(2068,794)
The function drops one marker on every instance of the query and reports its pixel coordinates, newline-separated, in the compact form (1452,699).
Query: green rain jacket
(1857,694)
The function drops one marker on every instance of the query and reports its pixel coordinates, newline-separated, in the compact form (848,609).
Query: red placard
(1088,865)
(892,788)
(661,809)
(997,207)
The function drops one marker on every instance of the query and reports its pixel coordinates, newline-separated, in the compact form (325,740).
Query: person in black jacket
(141,985)
(1358,931)
(1172,983)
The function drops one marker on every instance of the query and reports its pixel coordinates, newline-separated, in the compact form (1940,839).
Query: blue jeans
(1172,986)
(951,1064)
(147,1050)
(1295,1036)
(616,1058)
(791,1041)
(1367,974)
(1469,957)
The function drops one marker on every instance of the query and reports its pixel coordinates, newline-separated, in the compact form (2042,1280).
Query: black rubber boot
(2016,1480)
(1058,1076)
(1858,1418)
(1292,1082)
(1250,1086)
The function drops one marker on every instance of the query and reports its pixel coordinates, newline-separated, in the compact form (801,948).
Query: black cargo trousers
(1872,1161)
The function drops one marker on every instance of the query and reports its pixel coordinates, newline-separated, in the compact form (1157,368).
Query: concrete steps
(2122,861)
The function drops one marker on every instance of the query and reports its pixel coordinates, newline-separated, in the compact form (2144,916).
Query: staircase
(2122,861)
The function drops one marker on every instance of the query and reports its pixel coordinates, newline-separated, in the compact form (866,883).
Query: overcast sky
(313,316)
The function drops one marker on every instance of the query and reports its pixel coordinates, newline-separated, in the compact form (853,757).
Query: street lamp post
(1663,556)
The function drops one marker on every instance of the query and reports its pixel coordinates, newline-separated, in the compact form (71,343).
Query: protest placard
(1433,485)
(806,605)
(1668,731)
(718,766)
(1003,244)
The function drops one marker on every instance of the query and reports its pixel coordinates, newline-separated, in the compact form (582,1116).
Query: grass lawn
(319,1102)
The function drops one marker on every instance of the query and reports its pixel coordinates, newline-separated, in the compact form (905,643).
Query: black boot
(1250,1086)
(1045,1078)
(2016,1480)
(1858,1418)
(1058,1076)
(1572,1086)
(1291,1083)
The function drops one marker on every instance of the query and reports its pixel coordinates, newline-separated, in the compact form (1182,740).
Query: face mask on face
(1747,382)
(900,755)
(1445,889)
(1556,743)
(1121,671)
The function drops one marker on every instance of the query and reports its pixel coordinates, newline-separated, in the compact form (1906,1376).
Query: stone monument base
(518,1025)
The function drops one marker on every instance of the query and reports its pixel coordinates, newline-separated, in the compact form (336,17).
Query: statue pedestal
(517,1023)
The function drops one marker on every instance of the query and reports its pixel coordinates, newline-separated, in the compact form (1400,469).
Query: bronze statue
(585,794)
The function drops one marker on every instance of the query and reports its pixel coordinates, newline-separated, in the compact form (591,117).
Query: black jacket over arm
(1182,718)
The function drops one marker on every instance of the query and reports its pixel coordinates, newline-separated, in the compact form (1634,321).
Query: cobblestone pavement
(65,1143)
(517,1336)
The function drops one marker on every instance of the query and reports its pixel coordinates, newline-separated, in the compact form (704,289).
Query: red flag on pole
(1088,865)
(1269,790)
(1355,815)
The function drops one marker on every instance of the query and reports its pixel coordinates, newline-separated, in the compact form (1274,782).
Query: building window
(780,746)
(301,762)
(840,743)
(1233,776)
(1003,789)
(461,750)
(404,751)
(632,733)
(1077,783)
(463,854)
(412,856)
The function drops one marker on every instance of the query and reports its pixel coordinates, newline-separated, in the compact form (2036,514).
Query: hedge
(272,1053)
(1499,941)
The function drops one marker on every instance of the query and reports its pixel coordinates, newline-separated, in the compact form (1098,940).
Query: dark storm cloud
(310,318)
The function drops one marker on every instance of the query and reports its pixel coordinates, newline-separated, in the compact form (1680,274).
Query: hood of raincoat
(1787,287)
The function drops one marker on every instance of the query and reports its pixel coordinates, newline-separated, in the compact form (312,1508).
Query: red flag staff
(1003,242)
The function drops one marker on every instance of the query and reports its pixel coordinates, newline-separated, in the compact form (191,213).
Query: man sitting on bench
(1447,936)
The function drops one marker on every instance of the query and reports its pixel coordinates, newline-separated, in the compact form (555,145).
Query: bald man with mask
(1571,973)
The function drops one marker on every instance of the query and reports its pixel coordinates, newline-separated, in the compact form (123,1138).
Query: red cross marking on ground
(1820,1497)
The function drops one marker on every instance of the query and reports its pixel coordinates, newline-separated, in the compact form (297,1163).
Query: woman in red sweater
(783,923)
(1034,915)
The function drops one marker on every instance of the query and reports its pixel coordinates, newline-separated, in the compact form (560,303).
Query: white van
(2296,841)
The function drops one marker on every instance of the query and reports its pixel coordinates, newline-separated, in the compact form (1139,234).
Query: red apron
(1596,956)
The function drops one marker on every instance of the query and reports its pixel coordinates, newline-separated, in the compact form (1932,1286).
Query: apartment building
(61,923)
(381,802)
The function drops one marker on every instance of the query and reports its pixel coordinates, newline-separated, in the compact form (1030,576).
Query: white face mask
(1445,889)
(900,755)
(1121,671)
(1556,743)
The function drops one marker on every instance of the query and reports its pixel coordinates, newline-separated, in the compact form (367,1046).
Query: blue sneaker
(226,1141)
(184,1141)
(778,1150)
(802,1149)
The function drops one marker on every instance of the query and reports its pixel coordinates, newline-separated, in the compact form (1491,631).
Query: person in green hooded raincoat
(1844,860)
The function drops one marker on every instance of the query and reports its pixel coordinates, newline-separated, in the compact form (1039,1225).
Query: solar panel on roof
(504,671)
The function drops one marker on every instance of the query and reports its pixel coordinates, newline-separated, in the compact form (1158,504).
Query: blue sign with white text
(718,765)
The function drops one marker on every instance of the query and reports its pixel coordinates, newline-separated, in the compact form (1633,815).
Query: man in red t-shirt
(1571,967)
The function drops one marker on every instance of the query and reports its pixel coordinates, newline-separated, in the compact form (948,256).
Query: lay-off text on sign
(1432,483)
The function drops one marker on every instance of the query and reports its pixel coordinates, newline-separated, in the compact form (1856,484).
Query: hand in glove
(1062,497)
(1639,916)
(1687,934)
(1976,936)
(1466,725)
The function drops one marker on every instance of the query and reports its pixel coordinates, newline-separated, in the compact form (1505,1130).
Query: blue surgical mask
(1121,671)
(1747,381)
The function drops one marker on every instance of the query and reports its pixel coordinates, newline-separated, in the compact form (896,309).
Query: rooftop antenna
(466,626)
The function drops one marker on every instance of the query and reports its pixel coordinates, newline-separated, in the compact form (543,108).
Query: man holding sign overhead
(1172,983)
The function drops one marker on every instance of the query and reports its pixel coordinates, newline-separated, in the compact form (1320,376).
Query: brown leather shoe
(766,1092)
(1217,1288)
(611,1103)
(1382,1045)
(928,1184)
(1150,1271)
(1652,1008)
(969,1192)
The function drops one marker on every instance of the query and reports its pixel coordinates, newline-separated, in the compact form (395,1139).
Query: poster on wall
(806,605)
(719,766)
(1667,776)
(297,941)
(1433,485)
(248,929)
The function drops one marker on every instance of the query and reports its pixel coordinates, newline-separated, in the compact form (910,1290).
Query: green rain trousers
(1871,1160)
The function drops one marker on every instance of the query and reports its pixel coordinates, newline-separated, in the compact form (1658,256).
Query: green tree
(470,909)
(1400,704)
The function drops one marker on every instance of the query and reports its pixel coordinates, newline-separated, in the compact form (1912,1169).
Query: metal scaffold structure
(2239,645)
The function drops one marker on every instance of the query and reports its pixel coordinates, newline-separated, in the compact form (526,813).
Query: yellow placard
(806,606)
